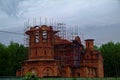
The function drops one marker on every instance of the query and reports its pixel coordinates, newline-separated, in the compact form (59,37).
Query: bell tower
(89,44)
(41,45)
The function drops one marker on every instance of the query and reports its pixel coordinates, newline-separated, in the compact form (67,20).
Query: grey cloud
(10,7)
(91,16)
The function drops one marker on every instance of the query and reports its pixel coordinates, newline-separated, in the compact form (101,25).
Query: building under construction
(52,56)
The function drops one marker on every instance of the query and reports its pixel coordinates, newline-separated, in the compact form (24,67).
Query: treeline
(13,54)
(111,56)
(10,58)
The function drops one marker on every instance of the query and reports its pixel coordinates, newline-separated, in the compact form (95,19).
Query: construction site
(53,52)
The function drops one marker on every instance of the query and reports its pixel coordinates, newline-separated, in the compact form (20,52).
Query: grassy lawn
(79,79)
(16,78)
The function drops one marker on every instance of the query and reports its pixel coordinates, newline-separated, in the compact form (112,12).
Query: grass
(79,78)
(21,78)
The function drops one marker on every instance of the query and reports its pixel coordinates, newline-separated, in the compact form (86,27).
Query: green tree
(96,47)
(111,56)
(3,60)
(11,57)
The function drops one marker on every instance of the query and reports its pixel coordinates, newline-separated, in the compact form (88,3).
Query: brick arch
(47,71)
(34,70)
(77,72)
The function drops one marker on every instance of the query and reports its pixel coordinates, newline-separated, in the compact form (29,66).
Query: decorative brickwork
(51,56)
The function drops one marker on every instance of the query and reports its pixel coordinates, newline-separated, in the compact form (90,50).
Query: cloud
(87,14)
(10,7)
(98,13)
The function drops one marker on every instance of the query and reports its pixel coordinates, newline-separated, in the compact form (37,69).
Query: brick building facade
(51,56)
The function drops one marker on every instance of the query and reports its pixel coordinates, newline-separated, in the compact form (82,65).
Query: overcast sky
(97,19)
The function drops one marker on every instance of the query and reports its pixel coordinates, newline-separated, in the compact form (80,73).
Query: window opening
(44,36)
(45,52)
(88,45)
(37,36)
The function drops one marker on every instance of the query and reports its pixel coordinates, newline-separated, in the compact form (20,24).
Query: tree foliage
(10,58)
(111,56)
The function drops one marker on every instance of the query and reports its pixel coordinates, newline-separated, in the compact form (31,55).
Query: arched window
(37,37)
(78,74)
(45,52)
(44,35)
(87,56)
(88,45)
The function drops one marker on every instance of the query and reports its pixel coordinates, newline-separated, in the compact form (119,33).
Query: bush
(30,76)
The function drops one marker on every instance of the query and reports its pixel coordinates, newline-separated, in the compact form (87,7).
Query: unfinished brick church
(52,56)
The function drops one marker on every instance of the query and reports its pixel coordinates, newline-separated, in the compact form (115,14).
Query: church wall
(59,57)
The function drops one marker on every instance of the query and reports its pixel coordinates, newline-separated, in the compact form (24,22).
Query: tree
(11,57)
(111,56)
(3,60)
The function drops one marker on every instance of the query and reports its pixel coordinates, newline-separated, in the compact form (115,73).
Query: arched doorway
(34,71)
(47,72)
